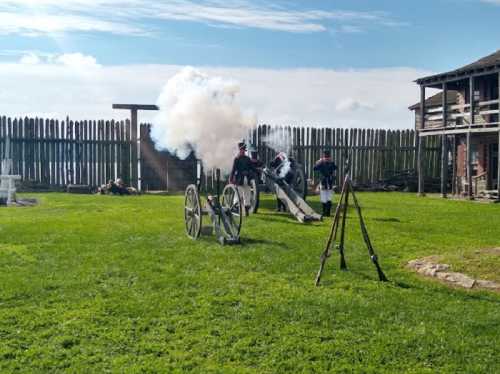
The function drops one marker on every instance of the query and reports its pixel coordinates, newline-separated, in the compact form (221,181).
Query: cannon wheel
(192,212)
(254,196)
(231,203)
(300,182)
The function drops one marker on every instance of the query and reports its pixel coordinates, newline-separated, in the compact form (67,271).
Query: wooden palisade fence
(56,153)
(375,154)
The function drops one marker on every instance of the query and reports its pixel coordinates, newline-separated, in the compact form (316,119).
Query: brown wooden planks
(92,152)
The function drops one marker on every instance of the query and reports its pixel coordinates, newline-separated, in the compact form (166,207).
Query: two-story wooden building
(465,115)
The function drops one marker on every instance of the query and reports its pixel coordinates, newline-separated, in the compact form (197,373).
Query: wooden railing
(477,179)
(482,112)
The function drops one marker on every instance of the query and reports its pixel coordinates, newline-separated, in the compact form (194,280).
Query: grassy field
(100,283)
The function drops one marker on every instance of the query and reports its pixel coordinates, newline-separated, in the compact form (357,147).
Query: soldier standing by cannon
(257,165)
(284,167)
(241,174)
(326,168)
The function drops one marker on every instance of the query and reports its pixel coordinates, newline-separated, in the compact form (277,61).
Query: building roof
(437,100)
(490,62)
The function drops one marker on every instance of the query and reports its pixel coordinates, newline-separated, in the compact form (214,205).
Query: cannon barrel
(295,204)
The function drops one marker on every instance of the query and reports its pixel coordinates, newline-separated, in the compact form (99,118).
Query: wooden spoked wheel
(232,206)
(300,182)
(192,212)
(254,196)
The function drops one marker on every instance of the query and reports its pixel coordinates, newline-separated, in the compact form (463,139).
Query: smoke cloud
(279,141)
(201,114)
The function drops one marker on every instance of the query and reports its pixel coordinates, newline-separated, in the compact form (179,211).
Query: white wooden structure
(8,181)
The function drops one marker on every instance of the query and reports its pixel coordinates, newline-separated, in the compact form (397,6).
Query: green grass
(99,283)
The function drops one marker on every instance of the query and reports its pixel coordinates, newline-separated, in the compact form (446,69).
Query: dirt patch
(429,267)
(490,251)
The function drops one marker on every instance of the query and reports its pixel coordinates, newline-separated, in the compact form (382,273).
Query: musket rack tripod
(340,220)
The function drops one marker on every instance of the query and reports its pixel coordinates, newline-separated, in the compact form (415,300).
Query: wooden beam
(462,130)
(135,107)
(444,146)
(436,80)
(134,156)
(454,165)
(422,107)
(420,150)
(469,166)
(471,98)
(498,166)
(135,161)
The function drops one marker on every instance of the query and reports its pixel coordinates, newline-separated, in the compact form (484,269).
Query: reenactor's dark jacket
(242,167)
(326,168)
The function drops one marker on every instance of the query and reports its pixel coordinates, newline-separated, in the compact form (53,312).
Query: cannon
(293,200)
(224,210)
(260,183)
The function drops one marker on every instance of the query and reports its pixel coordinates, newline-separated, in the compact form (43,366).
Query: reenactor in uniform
(241,175)
(284,167)
(326,168)
(257,165)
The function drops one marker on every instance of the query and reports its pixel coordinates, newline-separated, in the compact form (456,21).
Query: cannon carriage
(225,211)
(263,184)
(293,200)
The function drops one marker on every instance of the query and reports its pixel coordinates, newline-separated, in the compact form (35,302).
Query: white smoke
(285,166)
(279,141)
(201,113)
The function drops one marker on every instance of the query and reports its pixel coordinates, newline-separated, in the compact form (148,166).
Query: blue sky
(315,36)
(432,34)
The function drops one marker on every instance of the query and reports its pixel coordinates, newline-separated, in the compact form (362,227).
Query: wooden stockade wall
(375,154)
(160,170)
(57,153)
(54,153)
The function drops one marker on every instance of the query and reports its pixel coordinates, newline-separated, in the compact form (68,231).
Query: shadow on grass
(389,219)
(277,217)
(245,242)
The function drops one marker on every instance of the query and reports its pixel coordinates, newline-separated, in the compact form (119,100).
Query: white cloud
(376,98)
(77,60)
(131,16)
(37,24)
(30,59)
(73,60)
(349,104)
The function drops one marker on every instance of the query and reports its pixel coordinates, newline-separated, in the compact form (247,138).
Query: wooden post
(471,99)
(444,165)
(419,140)
(454,165)
(134,156)
(469,165)
(498,161)
(444,144)
(133,148)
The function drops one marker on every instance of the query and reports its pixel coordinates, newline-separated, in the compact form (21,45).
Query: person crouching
(285,168)
(326,168)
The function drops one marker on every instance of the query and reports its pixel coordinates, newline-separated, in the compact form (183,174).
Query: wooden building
(465,115)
